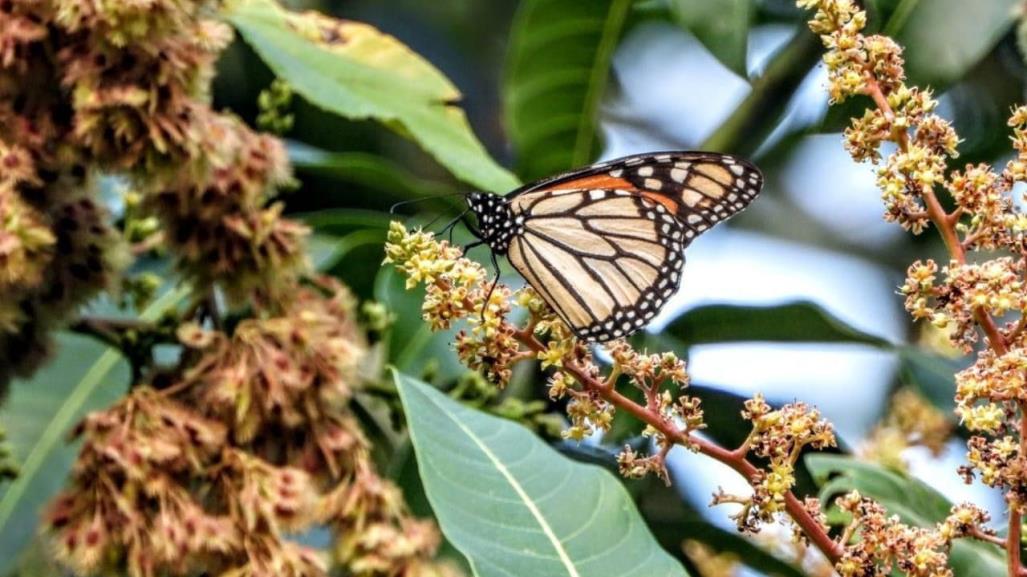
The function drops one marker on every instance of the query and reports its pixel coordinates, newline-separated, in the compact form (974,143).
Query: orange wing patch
(594,181)
(663,199)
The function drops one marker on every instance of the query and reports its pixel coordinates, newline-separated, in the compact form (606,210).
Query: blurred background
(548,85)
(736,76)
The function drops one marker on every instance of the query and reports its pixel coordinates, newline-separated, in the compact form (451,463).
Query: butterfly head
(496,223)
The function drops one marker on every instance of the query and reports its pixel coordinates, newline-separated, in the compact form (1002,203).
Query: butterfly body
(604,245)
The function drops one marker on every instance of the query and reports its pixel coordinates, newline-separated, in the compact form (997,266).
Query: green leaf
(39,414)
(914,502)
(943,39)
(799,321)
(934,376)
(556,72)
(352,69)
(721,25)
(514,506)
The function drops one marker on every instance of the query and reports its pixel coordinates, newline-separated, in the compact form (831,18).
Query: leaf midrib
(547,529)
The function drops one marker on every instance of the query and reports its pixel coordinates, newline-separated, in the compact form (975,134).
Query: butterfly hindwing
(606,260)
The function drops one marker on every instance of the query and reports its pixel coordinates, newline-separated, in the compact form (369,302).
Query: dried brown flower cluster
(202,468)
(122,87)
(255,440)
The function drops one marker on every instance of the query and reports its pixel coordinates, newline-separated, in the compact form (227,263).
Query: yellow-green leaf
(354,70)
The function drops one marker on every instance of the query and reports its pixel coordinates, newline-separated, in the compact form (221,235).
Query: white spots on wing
(738,169)
(616,173)
(653,184)
(645,171)
(678,175)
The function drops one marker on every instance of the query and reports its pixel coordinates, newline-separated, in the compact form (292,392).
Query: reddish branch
(736,459)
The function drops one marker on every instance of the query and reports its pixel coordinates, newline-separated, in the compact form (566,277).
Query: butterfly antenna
(392,209)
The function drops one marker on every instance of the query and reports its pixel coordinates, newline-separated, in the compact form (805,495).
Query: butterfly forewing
(701,188)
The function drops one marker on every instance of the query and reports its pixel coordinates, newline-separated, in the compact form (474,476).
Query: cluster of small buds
(998,462)
(839,22)
(989,388)
(872,65)
(274,103)
(779,436)
(458,289)
(292,372)
(1016,169)
(995,287)
(655,375)
(876,544)
(911,422)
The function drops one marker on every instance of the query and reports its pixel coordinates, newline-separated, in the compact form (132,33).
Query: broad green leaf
(721,25)
(943,39)
(354,70)
(556,72)
(914,502)
(514,506)
(799,321)
(38,416)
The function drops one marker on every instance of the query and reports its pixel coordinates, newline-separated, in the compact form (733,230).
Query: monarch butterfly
(604,245)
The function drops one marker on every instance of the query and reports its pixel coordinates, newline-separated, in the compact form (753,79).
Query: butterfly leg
(492,287)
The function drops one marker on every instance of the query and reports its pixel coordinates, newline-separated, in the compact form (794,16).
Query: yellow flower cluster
(878,544)
(779,436)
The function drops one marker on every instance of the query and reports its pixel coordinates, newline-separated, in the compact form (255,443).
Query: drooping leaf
(914,502)
(514,506)
(39,414)
(799,321)
(556,72)
(356,71)
(721,25)
(943,39)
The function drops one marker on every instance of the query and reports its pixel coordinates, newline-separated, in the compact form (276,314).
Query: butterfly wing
(604,245)
(606,260)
